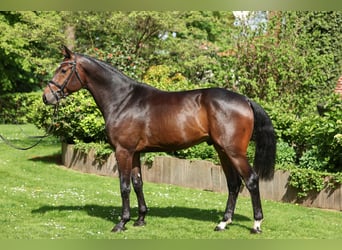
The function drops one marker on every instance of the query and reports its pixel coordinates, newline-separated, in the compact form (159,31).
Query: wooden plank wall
(202,175)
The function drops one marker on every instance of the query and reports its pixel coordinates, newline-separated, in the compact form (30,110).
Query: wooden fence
(202,175)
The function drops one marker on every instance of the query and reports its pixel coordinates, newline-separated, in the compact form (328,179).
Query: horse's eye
(63,71)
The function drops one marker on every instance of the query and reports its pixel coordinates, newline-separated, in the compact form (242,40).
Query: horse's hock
(200,174)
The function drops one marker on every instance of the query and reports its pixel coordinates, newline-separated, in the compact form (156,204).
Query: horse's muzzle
(49,99)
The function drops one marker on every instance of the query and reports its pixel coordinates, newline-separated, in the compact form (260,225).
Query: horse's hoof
(139,223)
(219,229)
(256,231)
(118,229)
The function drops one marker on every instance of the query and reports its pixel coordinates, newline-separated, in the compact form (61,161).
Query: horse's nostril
(45,100)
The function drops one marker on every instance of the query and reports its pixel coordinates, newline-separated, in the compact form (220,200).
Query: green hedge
(14,108)
(78,120)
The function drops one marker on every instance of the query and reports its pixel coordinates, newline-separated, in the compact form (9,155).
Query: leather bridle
(59,94)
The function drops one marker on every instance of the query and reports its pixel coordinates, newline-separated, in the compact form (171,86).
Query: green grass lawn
(39,199)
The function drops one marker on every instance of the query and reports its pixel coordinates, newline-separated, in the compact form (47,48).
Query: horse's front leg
(124,160)
(138,189)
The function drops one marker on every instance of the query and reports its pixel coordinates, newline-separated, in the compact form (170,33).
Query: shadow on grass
(111,213)
(55,158)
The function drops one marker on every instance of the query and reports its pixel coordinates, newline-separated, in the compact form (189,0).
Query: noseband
(60,94)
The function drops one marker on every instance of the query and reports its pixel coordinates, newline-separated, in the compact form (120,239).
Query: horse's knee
(125,189)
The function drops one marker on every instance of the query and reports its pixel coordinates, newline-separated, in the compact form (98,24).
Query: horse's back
(182,119)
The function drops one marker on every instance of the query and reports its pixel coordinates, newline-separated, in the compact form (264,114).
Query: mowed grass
(40,199)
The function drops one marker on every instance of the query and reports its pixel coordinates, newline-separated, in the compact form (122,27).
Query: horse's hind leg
(233,183)
(138,189)
(251,179)
(252,184)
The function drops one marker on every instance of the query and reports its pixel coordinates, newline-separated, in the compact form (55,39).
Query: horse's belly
(175,136)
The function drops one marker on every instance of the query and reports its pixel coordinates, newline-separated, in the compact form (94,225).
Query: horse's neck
(110,92)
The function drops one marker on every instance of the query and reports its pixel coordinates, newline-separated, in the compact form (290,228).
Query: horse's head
(67,79)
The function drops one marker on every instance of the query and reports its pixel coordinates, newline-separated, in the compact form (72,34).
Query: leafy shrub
(102,150)
(316,138)
(312,159)
(307,180)
(282,116)
(163,77)
(130,63)
(15,107)
(78,119)
(286,154)
(201,151)
(167,78)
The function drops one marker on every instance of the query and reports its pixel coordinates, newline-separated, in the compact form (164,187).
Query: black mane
(109,67)
(106,66)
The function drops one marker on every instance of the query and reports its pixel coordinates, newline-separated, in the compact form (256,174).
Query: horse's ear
(67,52)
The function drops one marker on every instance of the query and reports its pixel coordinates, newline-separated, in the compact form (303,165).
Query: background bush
(316,137)
(78,118)
(15,107)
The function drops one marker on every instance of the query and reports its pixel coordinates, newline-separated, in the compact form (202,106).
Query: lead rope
(41,138)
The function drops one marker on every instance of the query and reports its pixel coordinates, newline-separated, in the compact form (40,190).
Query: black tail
(265,140)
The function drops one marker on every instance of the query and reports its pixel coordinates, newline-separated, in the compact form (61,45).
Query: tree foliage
(29,44)
(185,41)
(294,58)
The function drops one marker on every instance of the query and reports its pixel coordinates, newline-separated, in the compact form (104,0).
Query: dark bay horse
(141,118)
